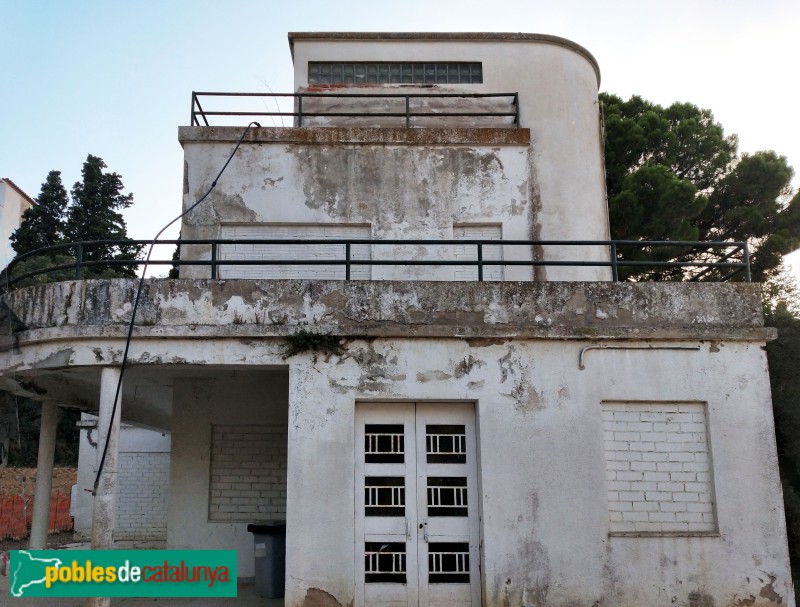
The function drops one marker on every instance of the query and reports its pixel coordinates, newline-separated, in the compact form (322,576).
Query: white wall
(550,188)
(143,469)
(557,86)
(544,497)
(397,192)
(142,496)
(12,206)
(227,397)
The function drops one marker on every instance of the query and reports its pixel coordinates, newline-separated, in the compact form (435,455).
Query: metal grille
(446,444)
(447,496)
(320,72)
(384,444)
(384,496)
(385,562)
(448,563)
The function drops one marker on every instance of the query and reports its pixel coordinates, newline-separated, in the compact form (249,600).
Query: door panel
(385,494)
(447,485)
(417,521)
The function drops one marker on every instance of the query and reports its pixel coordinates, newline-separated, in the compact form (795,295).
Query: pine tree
(43,224)
(673,174)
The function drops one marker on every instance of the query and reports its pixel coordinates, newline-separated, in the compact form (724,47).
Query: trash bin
(270,551)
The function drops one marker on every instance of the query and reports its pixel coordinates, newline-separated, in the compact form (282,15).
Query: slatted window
(385,562)
(384,444)
(446,444)
(384,496)
(448,563)
(417,72)
(447,496)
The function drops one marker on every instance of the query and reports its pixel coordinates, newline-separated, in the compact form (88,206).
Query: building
(13,203)
(435,428)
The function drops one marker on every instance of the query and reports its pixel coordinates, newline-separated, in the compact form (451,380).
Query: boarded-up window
(248,473)
(658,468)
(284,252)
(470,251)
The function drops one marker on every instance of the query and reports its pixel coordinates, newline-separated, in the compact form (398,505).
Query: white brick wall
(469,252)
(142,499)
(658,468)
(248,473)
(279,252)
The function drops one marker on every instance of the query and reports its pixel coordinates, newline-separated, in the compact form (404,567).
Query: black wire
(124,362)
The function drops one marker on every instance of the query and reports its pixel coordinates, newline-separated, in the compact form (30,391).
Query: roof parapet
(449,37)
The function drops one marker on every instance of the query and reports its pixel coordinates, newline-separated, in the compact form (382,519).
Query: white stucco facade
(543,437)
(557,82)
(539,363)
(13,203)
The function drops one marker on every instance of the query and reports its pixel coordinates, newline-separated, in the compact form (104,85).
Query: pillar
(105,501)
(44,475)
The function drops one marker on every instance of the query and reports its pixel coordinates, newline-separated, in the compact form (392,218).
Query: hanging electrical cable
(124,362)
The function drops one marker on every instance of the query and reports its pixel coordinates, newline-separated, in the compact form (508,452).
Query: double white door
(417,526)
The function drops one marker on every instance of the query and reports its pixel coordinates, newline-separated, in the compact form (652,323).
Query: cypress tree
(43,224)
(95,215)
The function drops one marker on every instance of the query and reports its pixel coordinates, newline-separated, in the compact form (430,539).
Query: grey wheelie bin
(270,551)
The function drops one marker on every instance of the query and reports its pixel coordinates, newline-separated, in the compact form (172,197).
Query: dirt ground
(22,481)
(54,541)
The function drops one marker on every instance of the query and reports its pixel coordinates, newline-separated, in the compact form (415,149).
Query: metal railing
(411,107)
(723,260)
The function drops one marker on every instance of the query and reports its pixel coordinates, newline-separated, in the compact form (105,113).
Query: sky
(114,78)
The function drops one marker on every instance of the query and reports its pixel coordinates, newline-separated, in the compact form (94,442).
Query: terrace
(330,107)
(357,259)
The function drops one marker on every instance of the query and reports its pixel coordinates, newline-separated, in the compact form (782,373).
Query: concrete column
(44,475)
(105,502)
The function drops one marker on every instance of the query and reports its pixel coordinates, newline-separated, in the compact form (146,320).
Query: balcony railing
(721,261)
(353,109)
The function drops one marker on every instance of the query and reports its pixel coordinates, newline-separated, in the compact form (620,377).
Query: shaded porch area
(228,454)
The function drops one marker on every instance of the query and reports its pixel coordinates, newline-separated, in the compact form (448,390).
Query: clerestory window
(387,72)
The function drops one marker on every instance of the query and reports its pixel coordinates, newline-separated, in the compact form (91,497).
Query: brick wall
(279,252)
(248,473)
(469,252)
(658,468)
(142,496)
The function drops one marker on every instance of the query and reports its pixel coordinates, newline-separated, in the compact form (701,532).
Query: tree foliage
(783,356)
(20,419)
(43,223)
(93,214)
(673,174)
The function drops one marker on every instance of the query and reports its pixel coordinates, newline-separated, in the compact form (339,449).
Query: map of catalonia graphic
(29,571)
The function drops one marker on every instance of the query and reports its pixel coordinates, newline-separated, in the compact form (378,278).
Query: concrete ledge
(273,308)
(357,135)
